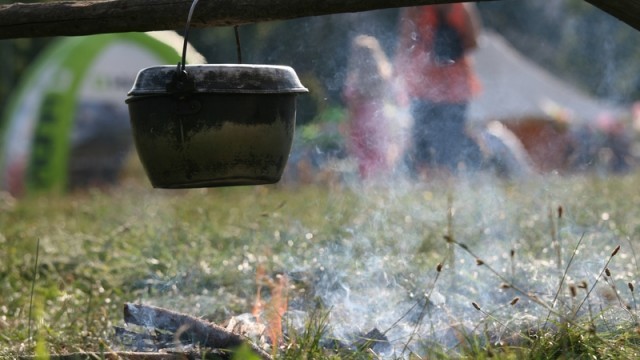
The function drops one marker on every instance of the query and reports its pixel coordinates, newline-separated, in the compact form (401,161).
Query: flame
(273,310)
(276,309)
(258,305)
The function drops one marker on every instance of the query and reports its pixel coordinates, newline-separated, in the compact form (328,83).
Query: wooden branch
(120,355)
(199,331)
(70,18)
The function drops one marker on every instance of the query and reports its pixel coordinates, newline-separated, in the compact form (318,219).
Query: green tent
(67,125)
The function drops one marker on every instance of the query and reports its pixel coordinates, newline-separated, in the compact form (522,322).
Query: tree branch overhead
(73,18)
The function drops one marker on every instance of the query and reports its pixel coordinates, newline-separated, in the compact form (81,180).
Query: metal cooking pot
(213,125)
(220,125)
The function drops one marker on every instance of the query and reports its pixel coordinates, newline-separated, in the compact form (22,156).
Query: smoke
(375,256)
(383,273)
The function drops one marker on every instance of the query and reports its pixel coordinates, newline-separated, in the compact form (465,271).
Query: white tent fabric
(514,87)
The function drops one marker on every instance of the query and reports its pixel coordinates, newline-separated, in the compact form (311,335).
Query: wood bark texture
(120,355)
(199,331)
(71,18)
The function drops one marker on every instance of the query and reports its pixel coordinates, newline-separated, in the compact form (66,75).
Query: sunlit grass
(196,251)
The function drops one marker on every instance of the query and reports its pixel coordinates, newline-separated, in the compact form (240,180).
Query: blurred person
(605,145)
(367,91)
(433,65)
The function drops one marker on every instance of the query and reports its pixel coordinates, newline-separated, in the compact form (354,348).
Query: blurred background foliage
(571,38)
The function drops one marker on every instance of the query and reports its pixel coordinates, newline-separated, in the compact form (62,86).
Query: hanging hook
(182,83)
(186,37)
(186,34)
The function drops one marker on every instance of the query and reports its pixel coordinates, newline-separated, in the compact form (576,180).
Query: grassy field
(474,268)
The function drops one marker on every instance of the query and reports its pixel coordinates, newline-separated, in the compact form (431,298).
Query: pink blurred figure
(368,88)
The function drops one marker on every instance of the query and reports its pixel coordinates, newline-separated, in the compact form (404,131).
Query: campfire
(164,333)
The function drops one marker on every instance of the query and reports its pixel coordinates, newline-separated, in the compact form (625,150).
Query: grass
(440,264)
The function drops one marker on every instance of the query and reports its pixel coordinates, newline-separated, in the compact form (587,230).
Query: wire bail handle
(182,82)
(186,34)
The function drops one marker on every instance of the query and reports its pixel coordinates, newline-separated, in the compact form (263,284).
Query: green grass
(196,251)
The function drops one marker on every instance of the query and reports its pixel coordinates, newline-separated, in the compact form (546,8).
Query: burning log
(127,356)
(140,342)
(197,330)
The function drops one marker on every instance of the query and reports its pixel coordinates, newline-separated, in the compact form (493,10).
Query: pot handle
(186,35)
(182,83)
(181,66)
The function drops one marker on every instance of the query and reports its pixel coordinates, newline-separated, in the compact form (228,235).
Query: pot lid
(218,78)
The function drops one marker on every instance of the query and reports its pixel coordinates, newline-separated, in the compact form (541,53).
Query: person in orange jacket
(433,64)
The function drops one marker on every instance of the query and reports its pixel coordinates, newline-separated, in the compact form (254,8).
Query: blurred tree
(576,41)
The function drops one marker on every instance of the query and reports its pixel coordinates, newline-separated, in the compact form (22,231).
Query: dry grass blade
(564,275)
(532,298)
(593,286)
(33,287)
(423,310)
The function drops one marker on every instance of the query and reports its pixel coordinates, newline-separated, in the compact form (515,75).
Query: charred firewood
(187,328)
(193,355)
(150,341)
